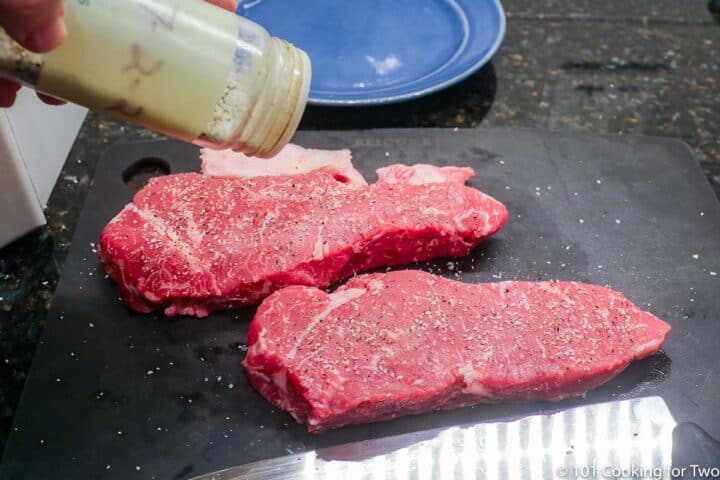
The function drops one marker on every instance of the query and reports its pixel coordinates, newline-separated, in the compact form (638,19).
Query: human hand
(226,4)
(38,26)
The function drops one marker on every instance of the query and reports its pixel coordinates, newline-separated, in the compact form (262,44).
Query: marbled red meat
(191,244)
(407,342)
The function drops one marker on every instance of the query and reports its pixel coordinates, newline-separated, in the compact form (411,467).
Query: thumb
(35,24)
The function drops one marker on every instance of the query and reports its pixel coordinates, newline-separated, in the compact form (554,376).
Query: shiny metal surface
(622,439)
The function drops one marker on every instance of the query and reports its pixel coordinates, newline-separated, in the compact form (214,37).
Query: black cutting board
(111,391)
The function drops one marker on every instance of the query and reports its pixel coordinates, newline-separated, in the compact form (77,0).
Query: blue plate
(369,52)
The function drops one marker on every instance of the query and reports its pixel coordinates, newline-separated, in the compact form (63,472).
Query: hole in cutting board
(137,175)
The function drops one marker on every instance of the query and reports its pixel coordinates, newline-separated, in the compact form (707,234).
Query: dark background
(619,66)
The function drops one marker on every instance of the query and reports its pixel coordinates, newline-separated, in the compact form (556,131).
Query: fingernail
(47,37)
(8,92)
(51,100)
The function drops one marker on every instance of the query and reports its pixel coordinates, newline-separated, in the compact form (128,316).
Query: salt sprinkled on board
(695,256)
(581,221)
(617,220)
(713,273)
(598,181)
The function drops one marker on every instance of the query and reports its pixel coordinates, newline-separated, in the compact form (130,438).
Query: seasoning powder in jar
(182,67)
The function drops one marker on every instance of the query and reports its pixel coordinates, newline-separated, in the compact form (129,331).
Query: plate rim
(401,97)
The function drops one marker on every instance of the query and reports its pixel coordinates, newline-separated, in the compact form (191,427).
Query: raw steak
(191,244)
(407,342)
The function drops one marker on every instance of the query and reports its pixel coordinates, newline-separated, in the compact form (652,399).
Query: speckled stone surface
(647,67)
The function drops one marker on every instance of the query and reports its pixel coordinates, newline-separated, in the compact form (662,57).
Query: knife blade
(620,439)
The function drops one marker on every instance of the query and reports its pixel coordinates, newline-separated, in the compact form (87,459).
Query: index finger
(35,24)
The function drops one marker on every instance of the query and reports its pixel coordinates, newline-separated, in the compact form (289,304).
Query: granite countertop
(646,67)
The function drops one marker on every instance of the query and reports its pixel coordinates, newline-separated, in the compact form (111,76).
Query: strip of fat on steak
(291,160)
(407,342)
(421,173)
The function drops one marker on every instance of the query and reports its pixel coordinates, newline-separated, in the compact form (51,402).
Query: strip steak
(407,342)
(192,244)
